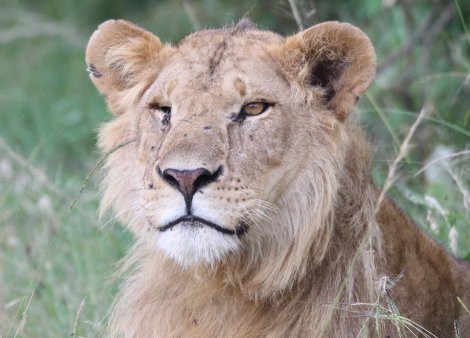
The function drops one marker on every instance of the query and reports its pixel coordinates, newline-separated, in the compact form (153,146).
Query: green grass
(54,260)
(59,253)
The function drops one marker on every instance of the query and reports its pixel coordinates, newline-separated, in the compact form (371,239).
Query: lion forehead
(224,80)
(211,54)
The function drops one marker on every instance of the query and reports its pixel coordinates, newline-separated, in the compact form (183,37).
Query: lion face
(219,132)
(206,192)
(212,161)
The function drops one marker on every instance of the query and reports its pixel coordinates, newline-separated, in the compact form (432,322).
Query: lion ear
(119,57)
(335,58)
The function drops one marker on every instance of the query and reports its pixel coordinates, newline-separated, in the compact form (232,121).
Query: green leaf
(467,257)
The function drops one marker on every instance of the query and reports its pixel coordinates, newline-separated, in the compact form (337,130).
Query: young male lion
(233,159)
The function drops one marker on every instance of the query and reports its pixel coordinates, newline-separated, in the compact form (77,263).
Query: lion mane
(233,158)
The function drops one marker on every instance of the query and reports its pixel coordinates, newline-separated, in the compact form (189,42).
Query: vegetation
(56,261)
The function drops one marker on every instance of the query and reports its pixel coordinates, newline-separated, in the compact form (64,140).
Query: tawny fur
(316,261)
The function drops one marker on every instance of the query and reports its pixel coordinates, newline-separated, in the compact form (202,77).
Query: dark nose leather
(188,182)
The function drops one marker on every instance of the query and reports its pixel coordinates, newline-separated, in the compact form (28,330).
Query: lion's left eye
(255,108)
(164,109)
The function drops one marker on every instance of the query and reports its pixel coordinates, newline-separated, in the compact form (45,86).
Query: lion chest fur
(234,161)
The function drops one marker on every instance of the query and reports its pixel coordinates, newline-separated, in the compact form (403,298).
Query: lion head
(227,148)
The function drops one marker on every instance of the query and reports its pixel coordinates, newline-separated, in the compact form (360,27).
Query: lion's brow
(217,57)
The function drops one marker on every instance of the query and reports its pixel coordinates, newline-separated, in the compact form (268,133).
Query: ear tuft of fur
(336,58)
(117,56)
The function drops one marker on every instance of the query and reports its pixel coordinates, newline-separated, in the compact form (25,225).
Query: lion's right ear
(121,60)
(335,62)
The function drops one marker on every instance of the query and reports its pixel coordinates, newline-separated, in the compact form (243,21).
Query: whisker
(266,205)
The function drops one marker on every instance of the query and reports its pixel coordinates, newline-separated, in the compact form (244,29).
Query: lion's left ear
(335,59)
(122,59)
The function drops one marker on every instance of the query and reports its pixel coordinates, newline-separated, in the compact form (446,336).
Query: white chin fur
(190,246)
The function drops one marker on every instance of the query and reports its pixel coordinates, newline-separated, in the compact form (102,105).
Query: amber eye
(255,108)
(164,109)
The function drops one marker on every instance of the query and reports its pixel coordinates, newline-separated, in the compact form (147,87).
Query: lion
(234,159)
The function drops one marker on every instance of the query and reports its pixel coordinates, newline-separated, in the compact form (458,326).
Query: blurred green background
(56,263)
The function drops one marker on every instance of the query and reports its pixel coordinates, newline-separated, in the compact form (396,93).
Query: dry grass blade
(461,186)
(463,305)
(23,315)
(32,289)
(295,12)
(93,170)
(445,157)
(39,175)
(378,311)
(401,154)
(77,317)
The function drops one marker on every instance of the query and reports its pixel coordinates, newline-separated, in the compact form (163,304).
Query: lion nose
(188,182)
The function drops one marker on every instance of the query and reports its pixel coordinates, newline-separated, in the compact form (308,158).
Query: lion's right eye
(164,109)
(255,108)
